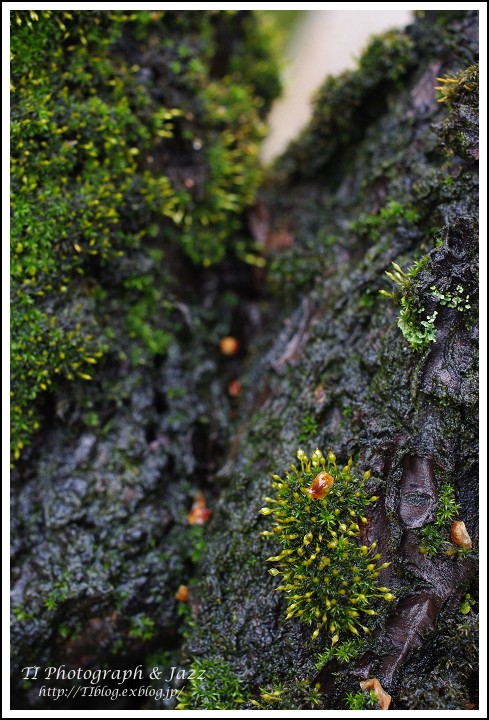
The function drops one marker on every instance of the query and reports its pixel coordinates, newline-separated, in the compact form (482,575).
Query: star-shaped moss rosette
(331,580)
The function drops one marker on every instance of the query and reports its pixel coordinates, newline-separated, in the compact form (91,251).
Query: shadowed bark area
(383,174)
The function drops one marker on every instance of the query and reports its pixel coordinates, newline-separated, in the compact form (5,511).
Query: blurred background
(315,44)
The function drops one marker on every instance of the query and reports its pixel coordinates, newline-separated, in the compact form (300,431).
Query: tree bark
(340,375)
(383,174)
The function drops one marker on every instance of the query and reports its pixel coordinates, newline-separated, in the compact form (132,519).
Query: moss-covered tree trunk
(386,173)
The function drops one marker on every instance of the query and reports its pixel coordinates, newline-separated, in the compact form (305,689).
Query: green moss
(456,88)
(262,47)
(435,536)
(92,150)
(59,594)
(467,604)
(415,322)
(387,219)
(91,419)
(142,627)
(417,326)
(449,682)
(343,652)
(148,302)
(22,615)
(390,54)
(459,91)
(309,429)
(231,155)
(301,695)
(197,542)
(279,26)
(366,700)
(331,581)
(211,686)
(75,140)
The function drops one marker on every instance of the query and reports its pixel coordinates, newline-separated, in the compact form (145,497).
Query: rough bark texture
(384,173)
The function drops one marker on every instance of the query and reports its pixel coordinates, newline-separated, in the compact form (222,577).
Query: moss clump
(297,696)
(343,652)
(142,627)
(108,162)
(415,322)
(387,219)
(434,536)
(418,328)
(211,686)
(416,325)
(73,139)
(459,91)
(455,88)
(331,580)
(366,700)
(336,122)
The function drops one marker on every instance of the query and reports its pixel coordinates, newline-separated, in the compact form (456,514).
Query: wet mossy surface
(101,540)
(133,135)
(396,191)
(135,141)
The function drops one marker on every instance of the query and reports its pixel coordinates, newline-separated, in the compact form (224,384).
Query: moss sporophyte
(330,578)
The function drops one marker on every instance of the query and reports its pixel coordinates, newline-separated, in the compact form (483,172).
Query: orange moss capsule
(321,485)
(182,594)
(459,535)
(373,685)
(234,388)
(199,513)
(229,345)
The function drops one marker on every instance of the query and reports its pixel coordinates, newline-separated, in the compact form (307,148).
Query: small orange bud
(459,535)
(234,388)
(228,345)
(182,594)
(199,513)
(373,685)
(321,485)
